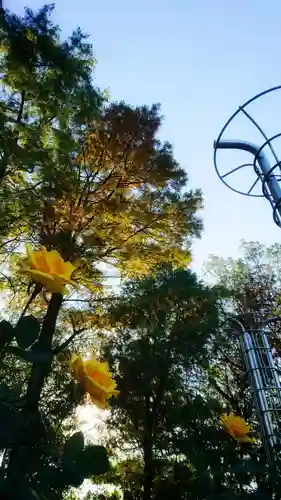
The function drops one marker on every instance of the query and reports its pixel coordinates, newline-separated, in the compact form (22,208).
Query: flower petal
(41,262)
(30,254)
(236,426)
(68,269)
(100,403)
(95,378)
(52,285)
(76,366)
(48,268)
(55,261)
(64,280)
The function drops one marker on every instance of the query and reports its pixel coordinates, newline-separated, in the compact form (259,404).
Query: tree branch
(41,370)
(61,347)
(19,117)
(228,397)
(33,295)
(141,229)
(90,300)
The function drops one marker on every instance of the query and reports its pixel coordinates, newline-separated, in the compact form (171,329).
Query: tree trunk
(40,370)
(20,456)
(148,469)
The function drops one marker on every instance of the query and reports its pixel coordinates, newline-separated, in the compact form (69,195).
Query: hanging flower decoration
(237,427)
(95,378)
(48,268)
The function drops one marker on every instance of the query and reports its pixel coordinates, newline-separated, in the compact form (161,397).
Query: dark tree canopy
(159,349)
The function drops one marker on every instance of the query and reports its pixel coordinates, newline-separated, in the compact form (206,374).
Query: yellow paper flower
(237,427)
(48,268)
(95,378)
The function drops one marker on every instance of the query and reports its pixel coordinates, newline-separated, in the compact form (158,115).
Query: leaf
(15,393)
(6,333)
(73,447)
(80,462)
(27,331)
(74,479)
(54,477)
(28,494)
(92,461)
(4,392)
(10,426)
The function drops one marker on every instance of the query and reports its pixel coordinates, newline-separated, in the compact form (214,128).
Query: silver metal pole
(264,382)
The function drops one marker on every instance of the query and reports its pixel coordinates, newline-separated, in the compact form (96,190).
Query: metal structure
(262,373)
(267,175)
(264,380)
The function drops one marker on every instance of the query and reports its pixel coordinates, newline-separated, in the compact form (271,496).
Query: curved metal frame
(267,141)
(266,174)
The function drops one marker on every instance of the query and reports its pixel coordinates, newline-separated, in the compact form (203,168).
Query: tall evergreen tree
(162,326)
(91,180)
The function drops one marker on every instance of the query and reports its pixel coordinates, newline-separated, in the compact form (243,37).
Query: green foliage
(178,369)
(46,100)
(80,461)
(162,329)
(74,446)
(27,331)
(90,179)
(94,460)
(6,333)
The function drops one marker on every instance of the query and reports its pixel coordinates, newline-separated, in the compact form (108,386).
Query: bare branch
(63,346)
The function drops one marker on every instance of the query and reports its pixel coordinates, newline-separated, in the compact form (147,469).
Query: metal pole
(272,189)
(264,382)
(263,376)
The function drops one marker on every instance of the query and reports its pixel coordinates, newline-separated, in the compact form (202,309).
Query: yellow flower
(48,268)
(237,427)
(95,378)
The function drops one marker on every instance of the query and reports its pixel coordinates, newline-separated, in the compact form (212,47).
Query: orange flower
(237,427)
(48,268)
(95,378)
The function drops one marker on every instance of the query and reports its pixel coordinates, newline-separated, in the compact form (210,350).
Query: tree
(46,86)
(253,289)
(253,280)
(174,386)
(90,180)
(162,326)
(253,296)
(122,202)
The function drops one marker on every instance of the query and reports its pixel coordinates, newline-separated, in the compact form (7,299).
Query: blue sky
(200,59)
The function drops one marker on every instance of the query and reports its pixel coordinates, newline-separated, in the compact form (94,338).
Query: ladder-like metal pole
(264,381)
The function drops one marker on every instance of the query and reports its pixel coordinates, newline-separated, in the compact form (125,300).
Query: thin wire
(241,109)
(262,133)
(254,184)
(237,168)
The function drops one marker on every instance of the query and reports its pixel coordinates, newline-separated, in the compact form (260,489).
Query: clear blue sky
(200,59)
